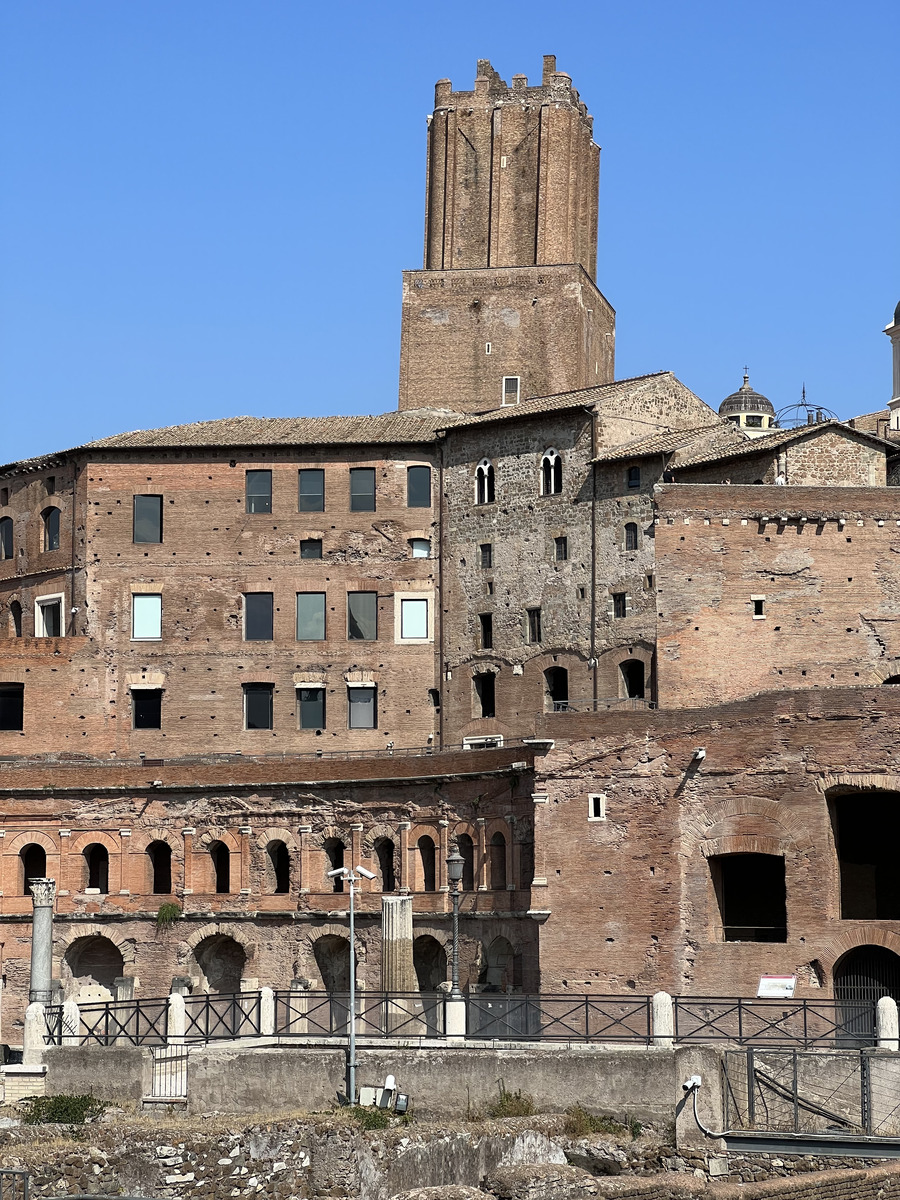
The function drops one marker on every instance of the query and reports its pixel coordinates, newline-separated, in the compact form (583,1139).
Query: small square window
(146,617)
(759,605)
(259,491)
(534,624)
(414,619)
(311,490)
(311,707)
(148,519)
(258,705)
(362,706)
(362,489)
(597,807)
(633,477)
(146,708)
(258,616)
(486,551)
(310,616)
(311,548)
(620,604)
(420,547)
(12,707)
(486,630)
(561,546)
(418,487)
(362,616)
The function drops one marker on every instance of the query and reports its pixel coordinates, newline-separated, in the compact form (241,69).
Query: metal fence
(378,1014)
(14,1185)
(560,1018)
(214,1016)
(840,1024)
(170,1073)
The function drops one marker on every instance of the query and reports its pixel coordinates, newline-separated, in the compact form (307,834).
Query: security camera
(336,871)
(366,874)
(690,1084)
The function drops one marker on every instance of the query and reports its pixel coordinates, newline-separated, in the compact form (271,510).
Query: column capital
(43,892)
(188,831)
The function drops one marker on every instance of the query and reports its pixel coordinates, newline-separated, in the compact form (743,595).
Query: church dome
(745,399)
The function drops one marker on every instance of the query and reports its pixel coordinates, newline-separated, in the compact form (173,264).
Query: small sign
(776,987)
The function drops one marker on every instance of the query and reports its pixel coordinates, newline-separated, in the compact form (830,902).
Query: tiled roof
(668,440)
(869,422)
(696,455)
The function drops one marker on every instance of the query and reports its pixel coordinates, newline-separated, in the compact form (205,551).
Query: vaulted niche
(866,830)
(751,894)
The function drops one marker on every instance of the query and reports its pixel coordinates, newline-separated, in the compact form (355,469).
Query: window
(561,548)
(633,477)
(15,616)
(486,551)
(311,490)
(259,491)
(310,616)
(485,694)
(258,705)
(466,848)
(362,616)
(334,858)
(534,624)
(50,517)
(48,616)
(34,865)
(486,630)
(220,860)
(362,489)
(551,473)
(147,519)
(12,707)
(96,859)
(866,829)
(146,708)
(146,617)
(632,672)
(258,616)
(427,861)
(753,421)
(510,389)
(362,708)
(278,868)
(484,482)
(4,495)
(631,536)
(414,619)
(597,807)
(418,487)
(497,852)
(619,604)
(556,680)
(50,484)
(6,537)
(384,851)
(311,707)
(751,893)
(759,605)
(311,548)
(420,547)
(160,856)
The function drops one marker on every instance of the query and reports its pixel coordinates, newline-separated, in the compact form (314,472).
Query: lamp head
(455,865)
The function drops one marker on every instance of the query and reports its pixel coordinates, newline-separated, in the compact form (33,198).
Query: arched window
(633,477)
(631,536)
(484,482)
(50,517)
(6,537)
(278,868)
(15,615)
(557,689)
(96,859)
(427,860)
(498,862)
(34,865)
(384,852)
(160,856)
(467,851)
(891,679)
(632,671)
(334,859)
(221,865)
(551,473)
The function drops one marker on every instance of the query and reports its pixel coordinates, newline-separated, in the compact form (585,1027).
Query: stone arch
(90,967)
(220,960)
(217,834)
(126,946)
(237,932)
(277,834)
(746,816)
(14,845)
(377,832)
(501,965)
(742,844)
(852,939)
(95,838)
(331,954)
(429,962)
(330,832)
(143,838)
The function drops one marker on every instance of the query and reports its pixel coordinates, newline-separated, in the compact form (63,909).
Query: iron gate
(170,1068)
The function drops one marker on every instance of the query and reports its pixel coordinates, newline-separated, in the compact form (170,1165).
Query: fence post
(663,1018)
(887,1024)
(176,1022)
(71,1024)
(454,1018)
(33,1036)
(266,1012)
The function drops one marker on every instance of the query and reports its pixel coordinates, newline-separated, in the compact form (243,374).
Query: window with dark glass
(259,491)
(620,604)
(310,616)
(486,630)
(362,708)
(258,705)
(12,706)
(484,694)
(311,705)
(362,489)
(311,490)
(147,519)
(311,548)
(631,536)
(486,551)
(6,537)
(48,618)
(259,615)
(534,624)
(633,477)
(418,487)
(51,528)
(561,548)
(146,708)
(362,616)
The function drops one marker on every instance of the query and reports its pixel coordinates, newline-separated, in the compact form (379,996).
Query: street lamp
(351,878)
(455,865)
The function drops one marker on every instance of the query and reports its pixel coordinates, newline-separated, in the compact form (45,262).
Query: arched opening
(220,859)
(96,861)
(632,672)
(50,517)
(861,977)
(750,889)
(160,856)
(556,689)
(427,859)
(221,961)
(332,955)
(334,860)
(430,962)
(551,473)
(91,966)
(866,829)
(15,616)
(278,868)
(34,865)
(484,482)
(467,851)
(498,862)
(631,536)
(498,969)
(384,852)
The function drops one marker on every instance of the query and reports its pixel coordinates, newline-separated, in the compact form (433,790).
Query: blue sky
(205,206)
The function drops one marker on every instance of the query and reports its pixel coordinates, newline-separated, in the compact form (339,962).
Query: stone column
(245,831)
(188,835)
(43,893)
(887,1027)
(442,850)
(304,832)
(397,971)
(480,856)
(404,881)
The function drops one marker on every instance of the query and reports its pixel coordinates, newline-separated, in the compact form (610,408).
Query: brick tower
(506,307)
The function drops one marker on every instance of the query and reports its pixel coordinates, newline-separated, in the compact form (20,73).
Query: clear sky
(205,205)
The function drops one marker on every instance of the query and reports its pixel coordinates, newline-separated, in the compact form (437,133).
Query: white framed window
(511,389)
(48,616)
(484,482)
(413,616)
(146,617)
(597,806)
(759,607)
(420,547)
(362,707)
(551,473)
(491,741)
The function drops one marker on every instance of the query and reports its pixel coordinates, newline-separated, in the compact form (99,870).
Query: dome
(746,400)
(897,314)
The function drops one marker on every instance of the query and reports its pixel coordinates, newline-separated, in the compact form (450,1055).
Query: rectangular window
(6,537)
(620,604)
(362,708)
(534,624)
(485,694)
(48,617)
(12,707)
(487,554)
(310,616)
(633,477)
(362,616)
(414,619)
(597,807)
(510,389)
(418,487)
(51,484)
(759,608)
(311,548)
(258,705)
(486,630)
(362,489)
(146,708)
(259,491)
(751,892)
(561,547)
(420,547)
(311,707)
(311,490)
(147,521)
(4,496)
(146,617)
(258,616)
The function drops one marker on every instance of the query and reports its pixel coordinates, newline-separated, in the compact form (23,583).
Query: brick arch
(308,940)
(770,819)
(862,783)
(499,825)
(216,834)
(742,843)
(379,831)
(332,831)
(444,936)
(64,938)
(464,827)
(31,838)
(223,929)
(83,840)
(851,939)
(277,834)
(142,839)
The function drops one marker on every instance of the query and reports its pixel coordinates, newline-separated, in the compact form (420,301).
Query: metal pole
(351,1066)
(455,993)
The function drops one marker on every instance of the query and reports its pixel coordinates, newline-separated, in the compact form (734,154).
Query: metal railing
(560,1018)
(14,1185)
(378,1014)
(112,1022)
(214,1016)
(601,704)
(842,1024)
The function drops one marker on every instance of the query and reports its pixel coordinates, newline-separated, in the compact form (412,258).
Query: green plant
(61,1110)
(580,1123)
(635,1128)
(510,1104)
(168,914)
(370,1118)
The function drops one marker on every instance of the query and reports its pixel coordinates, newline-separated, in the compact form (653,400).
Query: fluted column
(397,971)
(43,893)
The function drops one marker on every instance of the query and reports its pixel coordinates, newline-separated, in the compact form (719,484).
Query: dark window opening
(758,606)
(221,865)
(752,900)
(631,536)
(34,865)
(15,612)
(146,708)
(484,694)
(362,705)
(51,528)
(311,548)
(551,474)
(561,548)
(486,551)
(534,624)
(50,484)
(278,868)
(334,857)
(258,703)
(418,487)
(633,477)
(6,537)
(147,519)
(362,489)
(498,862)
(866,831)
(311,702)
(557,688)
(259,616)
(632,672)
(486,630)
(259,491)
(311,490)
(362,616)
(484,483)
(160,855)
(753,421)
(434,696)
(12,707)
(467,852)
(96,858)
(428,860)
(384,852)
(619,604)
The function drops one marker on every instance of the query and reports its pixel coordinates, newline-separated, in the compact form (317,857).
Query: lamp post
(455,864)
(352,879)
